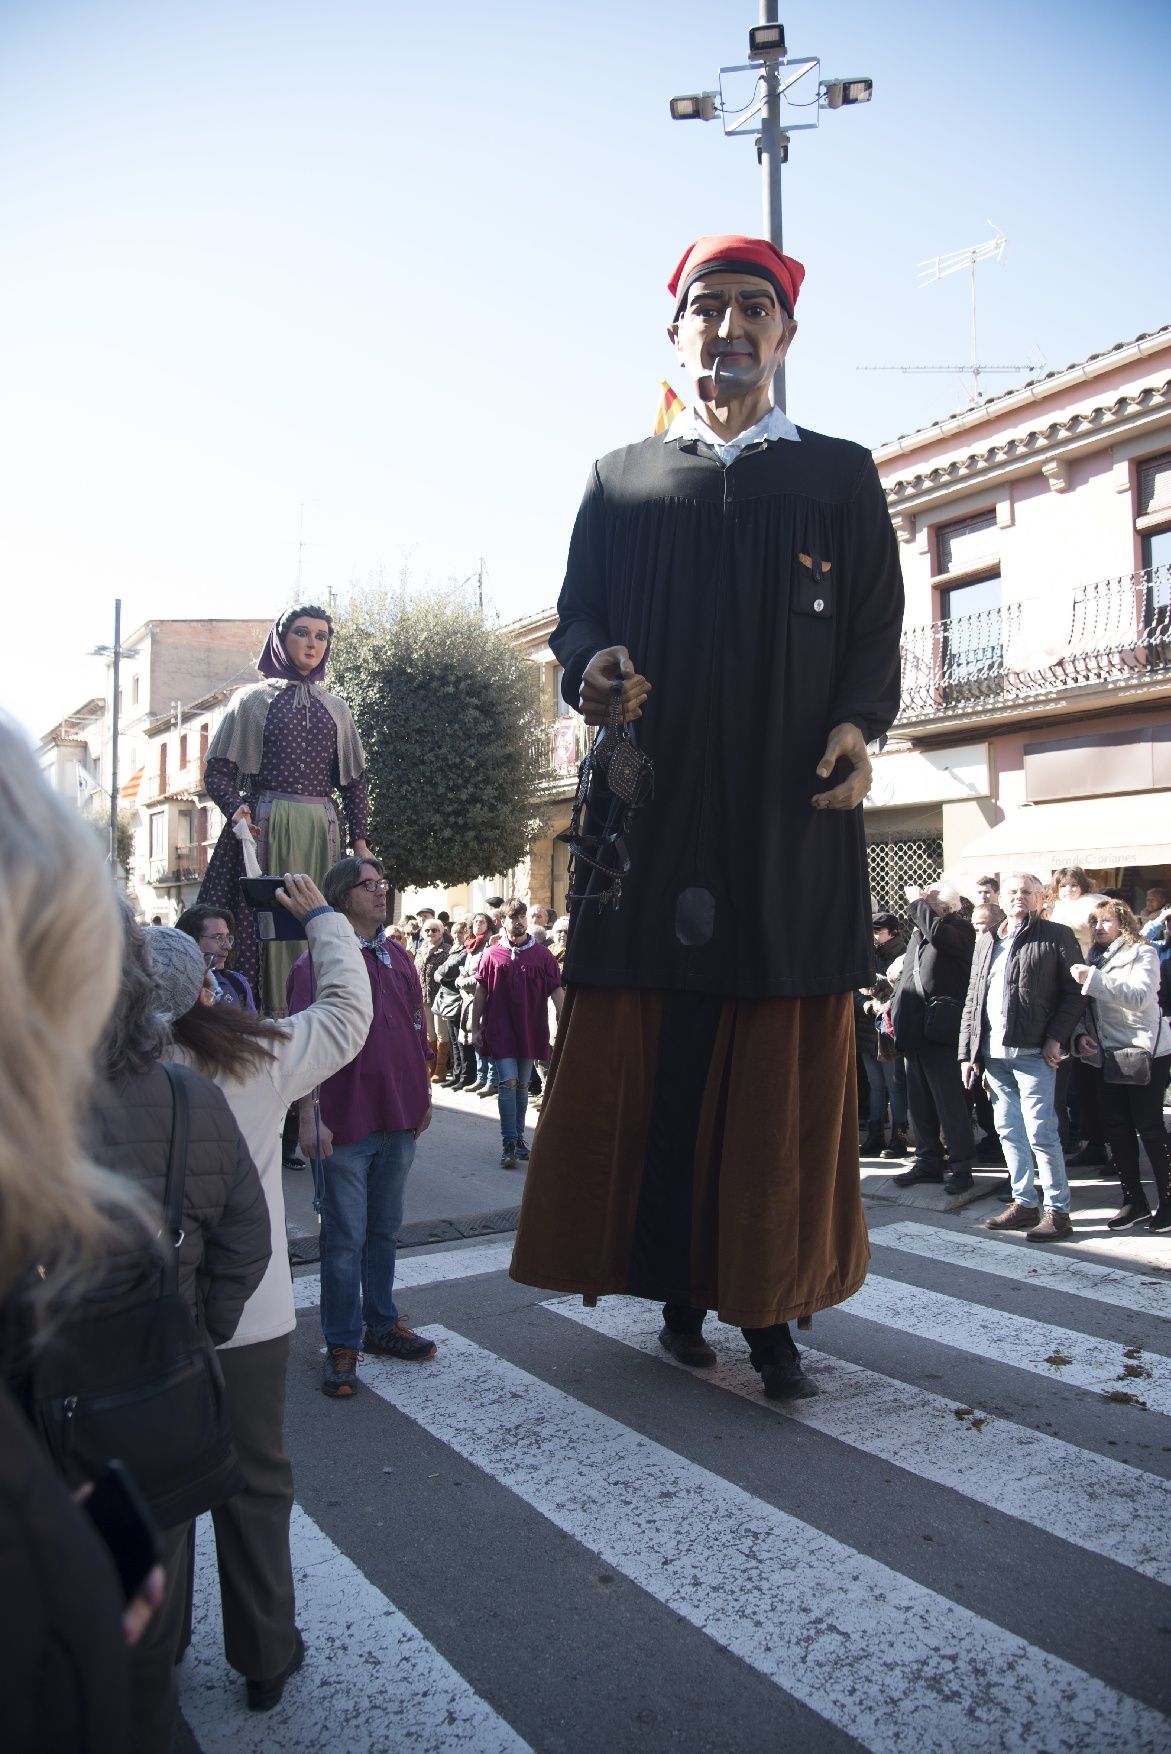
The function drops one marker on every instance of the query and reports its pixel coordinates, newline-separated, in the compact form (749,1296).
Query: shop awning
(1133,828)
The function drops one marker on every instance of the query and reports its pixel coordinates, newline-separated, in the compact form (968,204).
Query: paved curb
(306,1246)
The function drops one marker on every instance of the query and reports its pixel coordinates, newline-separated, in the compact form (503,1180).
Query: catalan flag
(669,407)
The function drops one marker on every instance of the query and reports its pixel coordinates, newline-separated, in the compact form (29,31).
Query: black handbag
(141,1382)
(1126,1065)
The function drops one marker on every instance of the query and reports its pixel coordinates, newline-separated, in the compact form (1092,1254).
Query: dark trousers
(1131,1112)
(154,1690)
(938,1104)
(252,1528)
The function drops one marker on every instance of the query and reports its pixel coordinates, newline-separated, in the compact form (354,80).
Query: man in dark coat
(1021,1008)
(925,1014)
(739,579)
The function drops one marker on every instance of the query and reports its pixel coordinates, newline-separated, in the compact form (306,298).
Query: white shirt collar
(691,425)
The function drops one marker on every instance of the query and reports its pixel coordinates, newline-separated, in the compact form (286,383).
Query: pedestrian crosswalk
(780,1539)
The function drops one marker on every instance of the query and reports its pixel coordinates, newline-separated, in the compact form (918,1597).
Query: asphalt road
(552,1537)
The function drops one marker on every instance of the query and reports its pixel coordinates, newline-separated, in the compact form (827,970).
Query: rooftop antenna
(938,268)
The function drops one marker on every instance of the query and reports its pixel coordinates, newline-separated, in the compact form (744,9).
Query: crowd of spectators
(145,1361)
(1023,1025)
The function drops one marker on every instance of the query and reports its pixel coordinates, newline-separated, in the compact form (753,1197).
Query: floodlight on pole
(775,73)
(698,106)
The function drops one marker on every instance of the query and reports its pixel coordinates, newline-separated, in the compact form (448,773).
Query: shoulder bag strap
(176,1176)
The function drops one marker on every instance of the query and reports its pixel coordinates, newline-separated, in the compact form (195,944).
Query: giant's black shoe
(690,1349)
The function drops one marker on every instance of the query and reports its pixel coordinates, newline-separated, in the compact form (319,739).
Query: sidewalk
(456,1187)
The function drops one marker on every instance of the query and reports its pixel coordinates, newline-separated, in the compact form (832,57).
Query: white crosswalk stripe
(411,1271)
(884,1658)
(1147,1293)
(1123,1513)
(372,1684)
(1060,1354)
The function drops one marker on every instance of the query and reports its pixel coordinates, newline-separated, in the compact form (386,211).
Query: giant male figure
(739,576)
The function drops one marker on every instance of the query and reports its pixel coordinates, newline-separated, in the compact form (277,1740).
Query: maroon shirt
(386,1088)
(515,1023)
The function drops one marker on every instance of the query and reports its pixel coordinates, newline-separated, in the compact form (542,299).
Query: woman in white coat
(1121,984)
(262,1068)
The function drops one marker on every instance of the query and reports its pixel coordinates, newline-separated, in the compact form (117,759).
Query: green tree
(449,715)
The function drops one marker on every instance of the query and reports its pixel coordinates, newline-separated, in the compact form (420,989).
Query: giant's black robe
(763,601)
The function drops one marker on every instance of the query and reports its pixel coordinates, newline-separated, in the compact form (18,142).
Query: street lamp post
(117,653)
(777,72)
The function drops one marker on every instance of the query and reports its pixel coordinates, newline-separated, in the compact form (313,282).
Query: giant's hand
(602,671)
(845,742)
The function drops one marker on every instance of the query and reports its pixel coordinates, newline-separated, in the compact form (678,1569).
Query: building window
(972,642)
(134,691)
(203,742)
(183,750)
(972,545)
(162,768)
(562,706)
(158,834)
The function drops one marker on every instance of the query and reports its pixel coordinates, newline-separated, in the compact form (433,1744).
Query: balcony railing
(1093,636)
(187,865)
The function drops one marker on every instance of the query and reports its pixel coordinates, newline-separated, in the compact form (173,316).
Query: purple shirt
(386,1088)
(515,1022)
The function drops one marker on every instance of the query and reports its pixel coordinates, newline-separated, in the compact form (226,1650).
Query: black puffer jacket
(226,1241)
(64,1668)
(1042,1001)
(942,944)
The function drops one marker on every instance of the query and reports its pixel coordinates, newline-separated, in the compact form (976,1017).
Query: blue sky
(406,266)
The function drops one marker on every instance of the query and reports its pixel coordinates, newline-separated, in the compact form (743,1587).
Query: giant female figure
(282,749)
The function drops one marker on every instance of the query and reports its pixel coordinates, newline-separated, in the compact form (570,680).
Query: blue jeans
(1023,1090)
(485,1067)
(886,1079)
(512,1098)
(361,1211)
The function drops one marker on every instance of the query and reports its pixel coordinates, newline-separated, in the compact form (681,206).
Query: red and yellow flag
(669,407)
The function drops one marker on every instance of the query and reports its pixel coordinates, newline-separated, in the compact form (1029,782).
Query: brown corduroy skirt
(698,1150)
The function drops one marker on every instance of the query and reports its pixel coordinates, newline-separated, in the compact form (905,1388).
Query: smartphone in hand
(121,1517)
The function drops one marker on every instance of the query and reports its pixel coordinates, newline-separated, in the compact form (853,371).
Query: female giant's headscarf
(275,662)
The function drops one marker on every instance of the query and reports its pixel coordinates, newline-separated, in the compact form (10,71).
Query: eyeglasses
(224,938)
(434,931)
(372,885)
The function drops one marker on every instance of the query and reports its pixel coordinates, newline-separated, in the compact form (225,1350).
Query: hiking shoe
(508,1155)
(340,1378)
(1015,1217)
(521,1150)
(689,1348)
(263,1695)
(1053,1226)
(398,1342)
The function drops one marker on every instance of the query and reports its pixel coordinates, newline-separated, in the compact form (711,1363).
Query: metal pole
(770,163)
(114,741)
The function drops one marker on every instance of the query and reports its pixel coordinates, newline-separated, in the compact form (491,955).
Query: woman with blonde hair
(64,1668)
(1128,1039)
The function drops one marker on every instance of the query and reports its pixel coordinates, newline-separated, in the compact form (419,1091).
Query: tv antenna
(938,268)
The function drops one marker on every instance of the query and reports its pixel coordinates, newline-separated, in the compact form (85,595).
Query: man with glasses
(214,931)
(369,1116)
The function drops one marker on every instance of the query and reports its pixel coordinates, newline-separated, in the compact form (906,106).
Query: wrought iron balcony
(1099,636)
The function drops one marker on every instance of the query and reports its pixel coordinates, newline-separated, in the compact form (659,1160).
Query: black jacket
(942,945)
(1042,1001)
(64,1668)
(763,602)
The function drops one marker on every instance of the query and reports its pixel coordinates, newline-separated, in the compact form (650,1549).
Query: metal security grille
(899,860)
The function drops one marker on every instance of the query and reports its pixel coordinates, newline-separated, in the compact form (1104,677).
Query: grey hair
(136,1036)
